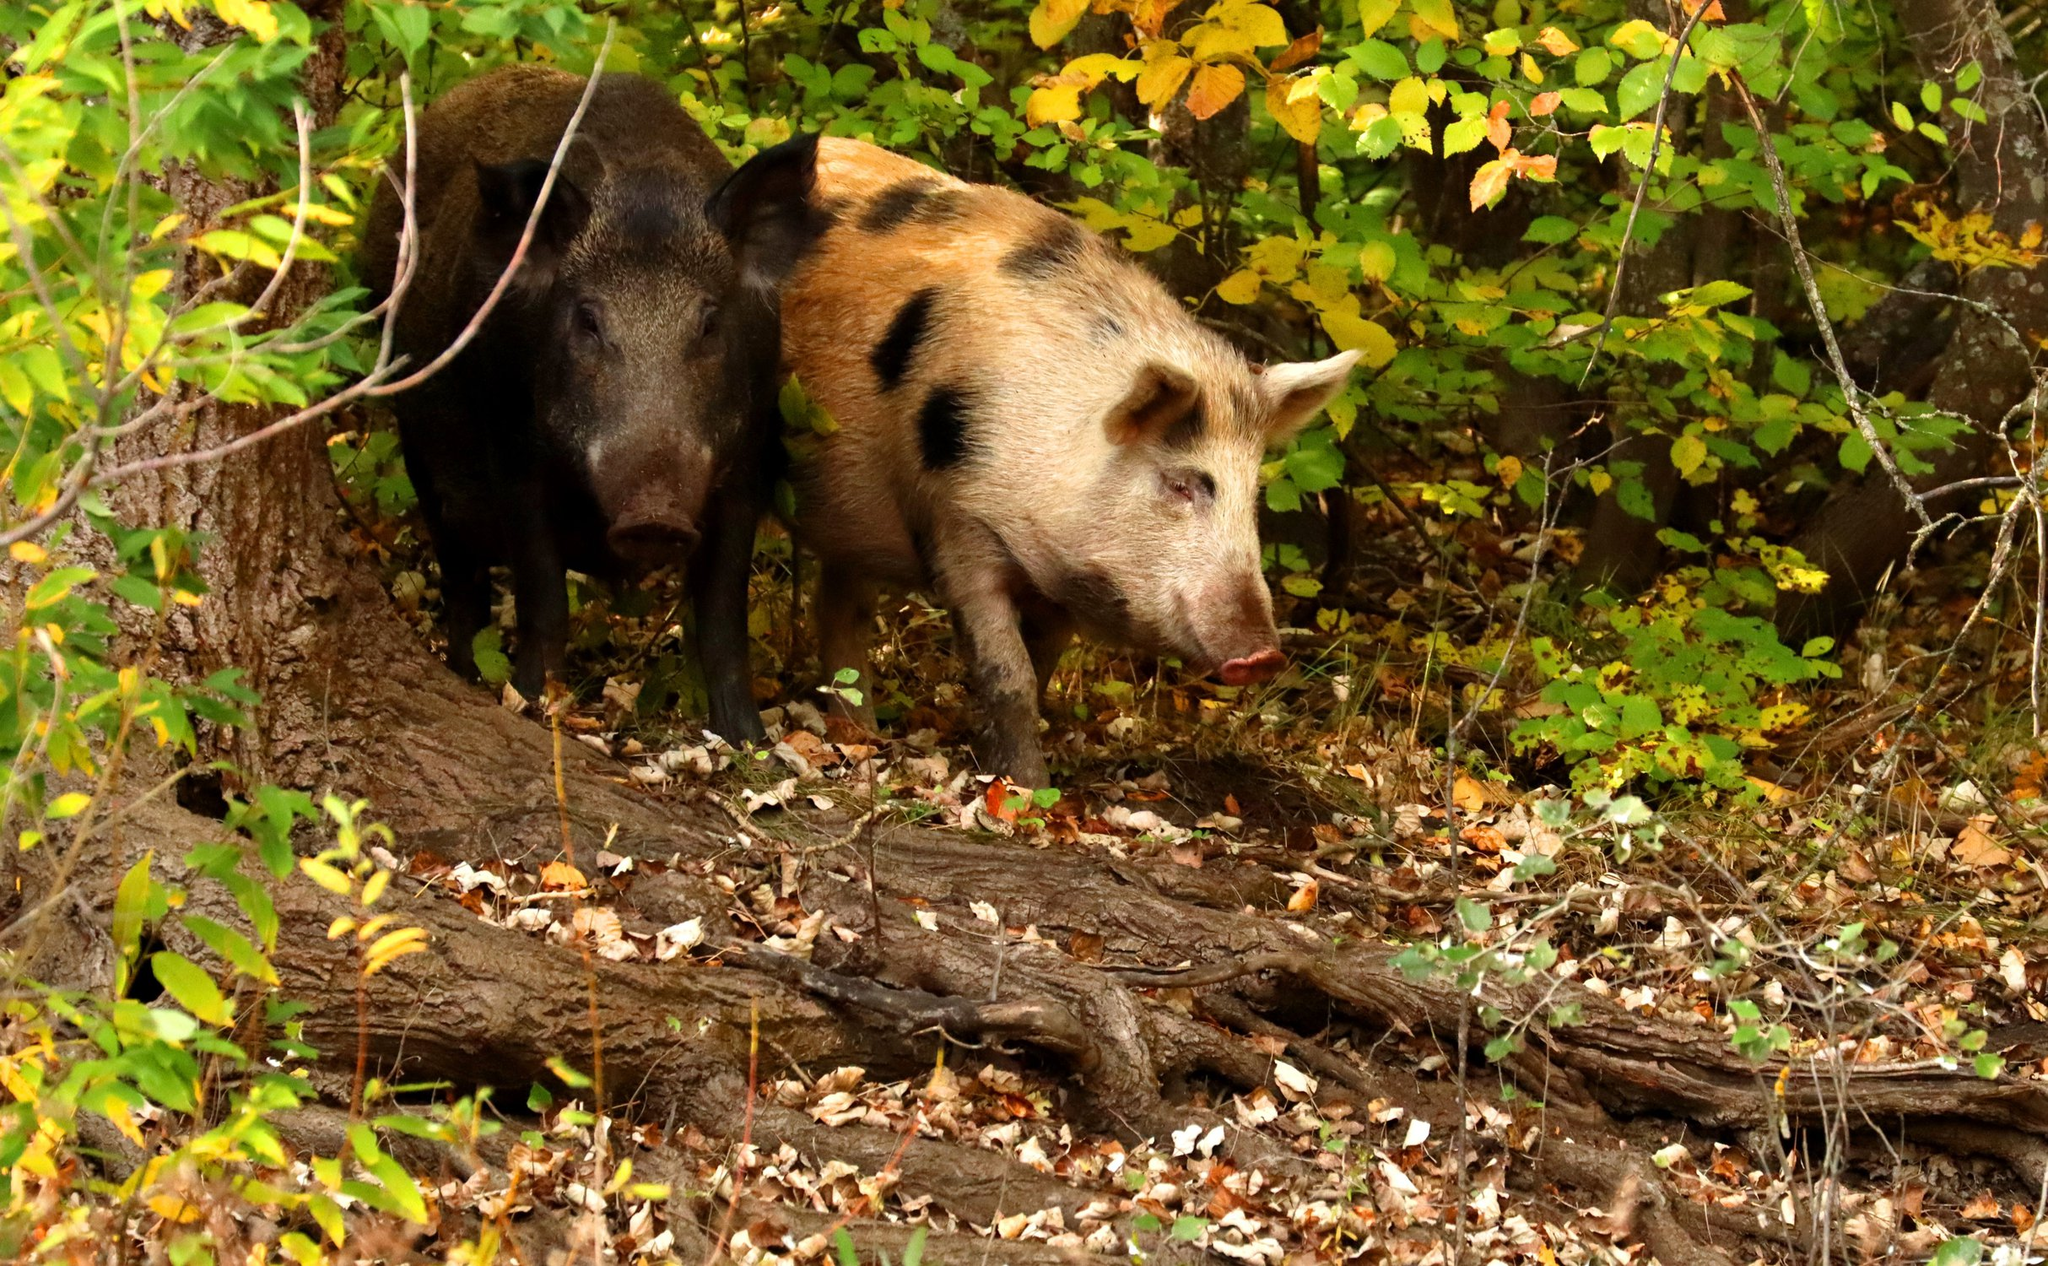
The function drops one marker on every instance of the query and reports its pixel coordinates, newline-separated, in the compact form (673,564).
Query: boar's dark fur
(615,412)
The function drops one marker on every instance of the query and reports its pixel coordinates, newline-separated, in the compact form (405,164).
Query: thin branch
(1628,231)
(1851,393)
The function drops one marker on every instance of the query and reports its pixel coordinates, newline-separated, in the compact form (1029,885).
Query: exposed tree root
(1136,1033)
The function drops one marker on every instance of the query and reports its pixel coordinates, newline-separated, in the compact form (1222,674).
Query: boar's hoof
(1252,668)
(652,541)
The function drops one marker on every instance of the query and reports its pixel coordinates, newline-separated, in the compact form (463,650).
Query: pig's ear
(765,209)
(1163,395)
(1296,392)
(505,196)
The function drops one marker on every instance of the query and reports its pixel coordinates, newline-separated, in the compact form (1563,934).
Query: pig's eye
(589,324)
(1190,487)
(707,322)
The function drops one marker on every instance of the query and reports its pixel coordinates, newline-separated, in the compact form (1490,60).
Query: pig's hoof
(1252,668)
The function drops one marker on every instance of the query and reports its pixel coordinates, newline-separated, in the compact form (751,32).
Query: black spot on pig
(1051,251)
(1095,598)
(917,200)
(891,357)
(942,437)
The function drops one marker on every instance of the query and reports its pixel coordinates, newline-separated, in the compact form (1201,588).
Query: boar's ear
(765,210)
(505,196)
(1163,395)
(1296,392)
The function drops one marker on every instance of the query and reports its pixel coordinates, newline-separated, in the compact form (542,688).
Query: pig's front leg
(846,616)
(974,576)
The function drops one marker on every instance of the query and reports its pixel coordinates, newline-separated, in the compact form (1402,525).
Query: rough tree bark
(1988,367)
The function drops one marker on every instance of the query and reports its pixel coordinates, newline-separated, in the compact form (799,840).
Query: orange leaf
(561,877)
(1556,42)
(1984,1205)
(1544,103)
(1000,793)
(1304,897)
(1299,51)
(1497,129)
(1489,182)
(1713,13)
(1535,166)
(1213,88)
(1467,792)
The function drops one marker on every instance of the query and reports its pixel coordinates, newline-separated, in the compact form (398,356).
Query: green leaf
(190,985)
(56,584)
(1379,59)
(1550,230)
(1592,67)
(843,1250)
(68,805)
(1188,1227)
(131,905)
(488,649)
(1474,915)
(1961,1251)
(1969,77)
(1715,293)
(1930,97)
(1902,118)
(1464,135)
(1639,89)
(913,1248)
(232,946)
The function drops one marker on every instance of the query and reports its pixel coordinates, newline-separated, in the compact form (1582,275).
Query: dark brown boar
(614,412)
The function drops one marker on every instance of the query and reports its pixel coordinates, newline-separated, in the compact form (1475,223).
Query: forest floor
(1871,897)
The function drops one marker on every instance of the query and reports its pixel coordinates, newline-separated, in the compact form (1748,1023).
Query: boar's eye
(707,322)
(589,322)
(1190,486)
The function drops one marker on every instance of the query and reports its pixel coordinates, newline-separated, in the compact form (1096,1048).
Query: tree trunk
(2001,166)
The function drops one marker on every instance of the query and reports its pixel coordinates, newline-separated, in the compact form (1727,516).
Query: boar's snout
(652,536)
(1252,668)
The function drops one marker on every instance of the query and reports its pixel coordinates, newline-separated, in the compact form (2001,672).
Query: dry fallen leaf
(1469,794)
(1304,897)
(1975,847)
(561,877)
(1983,1205)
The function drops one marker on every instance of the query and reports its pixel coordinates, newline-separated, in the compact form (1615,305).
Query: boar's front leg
(846,616)
(540,598)
(718,584)
(466,593)
(974,575)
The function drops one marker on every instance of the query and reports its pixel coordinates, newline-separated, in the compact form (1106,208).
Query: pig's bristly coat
(1029,425)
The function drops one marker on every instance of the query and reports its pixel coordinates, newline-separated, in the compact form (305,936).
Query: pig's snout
(653,530)
(1253,668)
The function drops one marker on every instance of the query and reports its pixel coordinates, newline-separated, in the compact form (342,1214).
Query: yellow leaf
(68,805)
(253,16)
(1373,14)
(325,875)
(341,927)
(1599,481)
(1213,88)
(1352,332)
(1052,105)
(1053,19)
(168,1207)
(27,552)
(1240,287)
(1773,793)
(1376,260)
(1439,17)
(1303,119)
(1468,793)
(1410,96)
(1556,42)
(1530,70)
(1162,77)
(1509,472)
(1687,452)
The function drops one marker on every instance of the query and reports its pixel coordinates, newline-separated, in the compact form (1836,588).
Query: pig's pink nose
(1252,668)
